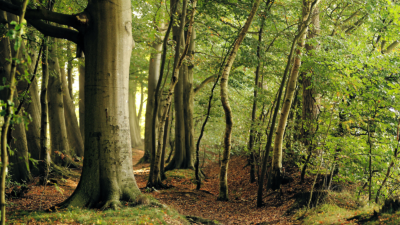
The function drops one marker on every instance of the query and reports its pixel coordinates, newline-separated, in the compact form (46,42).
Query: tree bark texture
(60,150)
(71,121)
(107,175)
(223,176)
(188,103)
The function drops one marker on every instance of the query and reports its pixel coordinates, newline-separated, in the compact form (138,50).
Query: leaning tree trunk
(136,139)
(81,69)
(107,175)
(75,140)
(154,74)
(276,176)
(59,145)
(223,176)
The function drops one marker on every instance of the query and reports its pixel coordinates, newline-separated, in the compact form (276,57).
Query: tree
(103,32)
(223,176)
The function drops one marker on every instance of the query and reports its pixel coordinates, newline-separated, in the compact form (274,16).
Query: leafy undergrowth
(144,214)
(342,208)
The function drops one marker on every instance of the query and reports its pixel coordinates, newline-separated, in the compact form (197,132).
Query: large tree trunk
(154,74)
(188,101)
(223,176)
(136,139)
(276,176)
(71,121)
(107,175)
(81,69)
(58,132)
(19,161)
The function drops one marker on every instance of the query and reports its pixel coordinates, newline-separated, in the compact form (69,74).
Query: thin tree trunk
(182,155)
(7,119)
(69,70)
(44,163)
(254,110)
(276,178)
(136,139)
(154,178)
(223,176)
(81,69)
(60,149)
(139,115)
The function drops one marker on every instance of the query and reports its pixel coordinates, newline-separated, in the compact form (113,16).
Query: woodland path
(241,209)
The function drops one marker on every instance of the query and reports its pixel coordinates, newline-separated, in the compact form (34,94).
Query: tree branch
(206,81)
(42,14)
(57,32)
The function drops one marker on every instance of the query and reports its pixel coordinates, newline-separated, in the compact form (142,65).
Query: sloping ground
(241,209)
(280,208)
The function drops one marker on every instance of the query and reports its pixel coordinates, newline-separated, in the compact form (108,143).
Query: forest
(199,112)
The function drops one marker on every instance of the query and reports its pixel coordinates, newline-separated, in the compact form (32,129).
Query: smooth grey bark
(59,145)
(75,140)
(81,69)
(107,175)
(154,74)
(136,139)
(44,163)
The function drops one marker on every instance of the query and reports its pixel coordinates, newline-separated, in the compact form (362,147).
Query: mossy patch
(141,214)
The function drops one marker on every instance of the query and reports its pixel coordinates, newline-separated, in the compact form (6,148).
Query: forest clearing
(199,112)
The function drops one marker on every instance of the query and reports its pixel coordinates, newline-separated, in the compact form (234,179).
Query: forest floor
(280,208)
